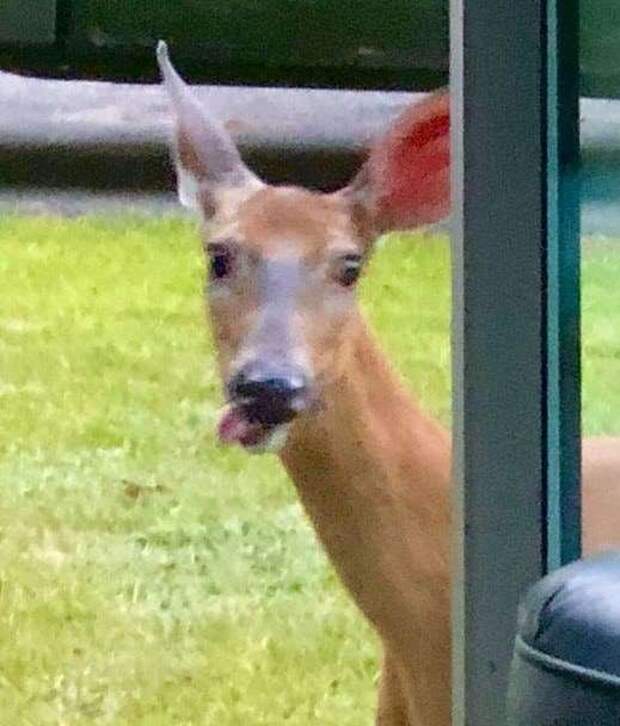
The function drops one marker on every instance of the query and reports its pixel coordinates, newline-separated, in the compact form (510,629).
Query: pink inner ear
(410,166)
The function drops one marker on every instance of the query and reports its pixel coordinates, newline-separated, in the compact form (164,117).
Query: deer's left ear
(405,182)
(206,157)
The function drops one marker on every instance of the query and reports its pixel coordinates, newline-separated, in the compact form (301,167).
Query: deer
(305,379)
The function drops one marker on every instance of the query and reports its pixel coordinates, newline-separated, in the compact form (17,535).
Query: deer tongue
(236,428)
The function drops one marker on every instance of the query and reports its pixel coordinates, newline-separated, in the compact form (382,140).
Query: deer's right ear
(205,155)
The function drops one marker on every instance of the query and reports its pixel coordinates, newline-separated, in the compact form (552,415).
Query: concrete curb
(316,137)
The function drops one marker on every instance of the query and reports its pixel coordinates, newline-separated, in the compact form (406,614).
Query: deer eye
(349,271)
(221,260)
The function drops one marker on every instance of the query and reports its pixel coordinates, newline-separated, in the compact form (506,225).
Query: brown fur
(302,220)
(600,494)
(294,223)
(375,487)
(377,492)
(372,471)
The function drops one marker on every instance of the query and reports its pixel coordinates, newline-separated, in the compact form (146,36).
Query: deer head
(283,261)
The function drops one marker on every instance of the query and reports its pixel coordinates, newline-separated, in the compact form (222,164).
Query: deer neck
(373,473)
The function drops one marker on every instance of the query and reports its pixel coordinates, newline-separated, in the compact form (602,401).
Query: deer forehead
(276,220)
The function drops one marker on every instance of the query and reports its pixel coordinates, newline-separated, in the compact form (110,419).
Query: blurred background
(147,576)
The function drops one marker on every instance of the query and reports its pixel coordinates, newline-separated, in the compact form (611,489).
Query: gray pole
(515,328)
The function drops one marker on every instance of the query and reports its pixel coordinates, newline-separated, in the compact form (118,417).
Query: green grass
(146,576)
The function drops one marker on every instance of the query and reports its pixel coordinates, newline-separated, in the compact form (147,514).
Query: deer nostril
(269,396)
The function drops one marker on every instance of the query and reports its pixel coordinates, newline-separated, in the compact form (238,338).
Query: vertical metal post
(514,329)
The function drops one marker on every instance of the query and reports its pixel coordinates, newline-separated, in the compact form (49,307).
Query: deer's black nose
(269,395)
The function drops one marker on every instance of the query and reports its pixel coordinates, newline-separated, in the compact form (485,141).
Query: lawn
(146,575)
